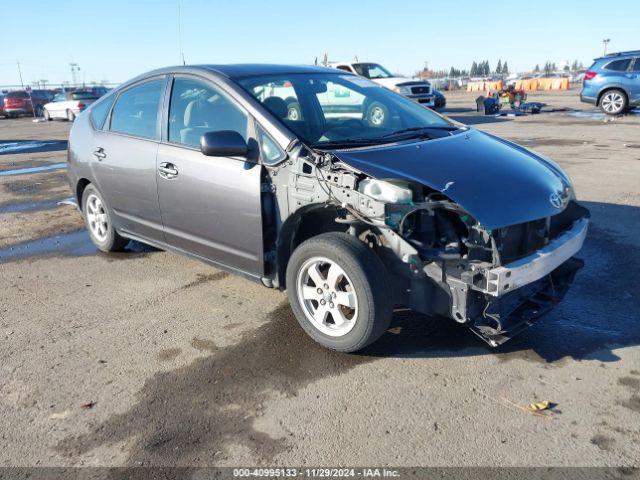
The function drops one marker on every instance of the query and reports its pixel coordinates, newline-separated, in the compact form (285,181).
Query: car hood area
(495,181)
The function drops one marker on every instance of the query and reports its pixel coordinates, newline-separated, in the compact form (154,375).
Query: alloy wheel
(327,296)
(97,218)
(612,102)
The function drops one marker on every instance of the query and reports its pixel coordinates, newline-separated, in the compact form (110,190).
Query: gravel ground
(148,358)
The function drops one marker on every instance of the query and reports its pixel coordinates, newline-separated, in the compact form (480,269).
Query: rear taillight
(81,105)
(588,75)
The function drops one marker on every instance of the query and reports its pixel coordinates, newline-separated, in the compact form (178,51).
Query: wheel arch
(81,185)
(303,224)
(608,88)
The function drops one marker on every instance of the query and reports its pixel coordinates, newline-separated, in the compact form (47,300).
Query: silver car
(351,217)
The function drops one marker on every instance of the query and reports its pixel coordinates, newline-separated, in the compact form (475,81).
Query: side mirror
(223,143)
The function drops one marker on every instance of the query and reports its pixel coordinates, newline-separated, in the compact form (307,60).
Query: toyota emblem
(555,200)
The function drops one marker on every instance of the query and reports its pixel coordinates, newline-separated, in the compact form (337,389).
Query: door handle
(167,170)
(99,154)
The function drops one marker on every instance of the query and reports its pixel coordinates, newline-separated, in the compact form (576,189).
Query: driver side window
(198,107)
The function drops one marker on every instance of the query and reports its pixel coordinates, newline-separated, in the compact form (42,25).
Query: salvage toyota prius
(351,215)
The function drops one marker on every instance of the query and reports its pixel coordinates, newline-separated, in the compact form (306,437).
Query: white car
(68,105)
(414,88)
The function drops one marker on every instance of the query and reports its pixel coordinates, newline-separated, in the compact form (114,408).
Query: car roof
(240,70)
(631,53)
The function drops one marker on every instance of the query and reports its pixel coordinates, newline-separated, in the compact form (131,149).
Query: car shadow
(12,147)
(599,314)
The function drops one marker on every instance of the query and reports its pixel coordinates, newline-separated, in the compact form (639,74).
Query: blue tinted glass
(100,111)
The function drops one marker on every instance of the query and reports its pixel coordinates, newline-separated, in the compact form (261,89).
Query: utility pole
(605,42)
(20,73)
(33,109)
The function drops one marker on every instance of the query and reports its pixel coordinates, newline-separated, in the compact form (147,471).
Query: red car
(20,102)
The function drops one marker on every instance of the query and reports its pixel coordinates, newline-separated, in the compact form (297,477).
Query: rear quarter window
(618,65)
(99,112)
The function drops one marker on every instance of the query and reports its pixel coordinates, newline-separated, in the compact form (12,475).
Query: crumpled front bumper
(499,319)
(501,280)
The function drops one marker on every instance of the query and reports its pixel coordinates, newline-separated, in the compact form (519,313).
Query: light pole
(605,42)
(75,68)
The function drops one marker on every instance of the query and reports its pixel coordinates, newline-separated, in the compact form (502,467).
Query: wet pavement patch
(551,142)
(603,442)
(169,354)
(26,171)
(184,416)
(35,206)
(8,147)
(72,244)
(205,278)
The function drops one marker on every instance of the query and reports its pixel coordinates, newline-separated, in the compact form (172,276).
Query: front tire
(614,102)
(335,285)
(46,115)
(377,114)
(98,220)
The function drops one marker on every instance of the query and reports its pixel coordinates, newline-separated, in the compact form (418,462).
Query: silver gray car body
(246,216)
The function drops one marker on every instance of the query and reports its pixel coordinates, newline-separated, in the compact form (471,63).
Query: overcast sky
(118,39)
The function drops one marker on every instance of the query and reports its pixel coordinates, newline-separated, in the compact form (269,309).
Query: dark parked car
(439,101)
(2,113)
(351,217)
(613,82)
(22,102)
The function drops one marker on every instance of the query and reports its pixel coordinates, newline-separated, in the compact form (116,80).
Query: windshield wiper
(448,128)
(350,141)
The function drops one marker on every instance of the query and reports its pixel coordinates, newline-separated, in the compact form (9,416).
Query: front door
(210,205)
(126,159)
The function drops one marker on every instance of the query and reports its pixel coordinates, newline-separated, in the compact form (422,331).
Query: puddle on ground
(72,244)
(25,207)
(26,171)
(188,415)
(597,115)
(31,146)
(551,142)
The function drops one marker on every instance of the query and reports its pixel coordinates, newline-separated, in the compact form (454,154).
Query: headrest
(277,106)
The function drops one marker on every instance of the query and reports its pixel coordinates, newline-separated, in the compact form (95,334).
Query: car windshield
(326,109)
(372,70)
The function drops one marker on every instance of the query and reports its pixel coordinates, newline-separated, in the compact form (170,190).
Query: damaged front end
(440,259)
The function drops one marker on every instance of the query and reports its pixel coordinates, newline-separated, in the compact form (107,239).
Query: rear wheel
(336,290)
(71,116)
(613,102)
(97,218)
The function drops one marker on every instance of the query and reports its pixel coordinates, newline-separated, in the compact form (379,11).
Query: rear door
(125,152)
(211,206)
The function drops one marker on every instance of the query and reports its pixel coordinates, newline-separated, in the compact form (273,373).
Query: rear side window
(100,111)
(17,95)
(618,65)
(136,111)
(636,65)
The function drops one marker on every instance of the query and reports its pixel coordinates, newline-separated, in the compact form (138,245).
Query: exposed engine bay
(440,259)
